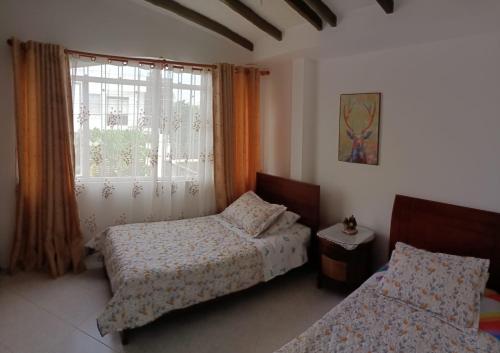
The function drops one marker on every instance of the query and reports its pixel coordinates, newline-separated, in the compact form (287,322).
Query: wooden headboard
(450,229)
(299,197)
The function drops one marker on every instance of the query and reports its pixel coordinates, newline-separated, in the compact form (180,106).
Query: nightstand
(345,260)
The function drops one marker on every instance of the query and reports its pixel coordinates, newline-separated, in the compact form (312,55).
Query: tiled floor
(41,315)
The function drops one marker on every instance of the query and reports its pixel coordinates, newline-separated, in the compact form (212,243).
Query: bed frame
(450,229)
(299,197)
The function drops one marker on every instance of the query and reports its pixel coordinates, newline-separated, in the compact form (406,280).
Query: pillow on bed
(283,222)
(252,214)
(446,285)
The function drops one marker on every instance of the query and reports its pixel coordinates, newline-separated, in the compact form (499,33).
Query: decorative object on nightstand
(350,225)
(345,260)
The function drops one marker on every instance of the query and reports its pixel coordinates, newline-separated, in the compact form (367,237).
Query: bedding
(252,214)
(157,267)
(447,285)
(490,314)
(369,322)
(284,221)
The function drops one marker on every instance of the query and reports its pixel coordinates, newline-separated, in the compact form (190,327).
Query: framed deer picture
(359,128)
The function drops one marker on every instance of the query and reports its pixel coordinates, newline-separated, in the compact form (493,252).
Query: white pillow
(285,221)
(252,214)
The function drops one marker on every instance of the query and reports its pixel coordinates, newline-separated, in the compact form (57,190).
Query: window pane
(95,70)
(136,121)
(112,71)
(95,104)
(129,73)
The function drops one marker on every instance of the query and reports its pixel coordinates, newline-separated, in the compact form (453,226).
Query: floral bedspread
(366,322)
(158,267)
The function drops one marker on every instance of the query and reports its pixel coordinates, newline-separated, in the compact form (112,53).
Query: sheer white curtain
(143,142)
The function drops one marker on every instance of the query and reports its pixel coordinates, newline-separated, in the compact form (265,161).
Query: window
(140,122)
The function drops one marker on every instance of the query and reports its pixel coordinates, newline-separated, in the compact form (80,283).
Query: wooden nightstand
(345,260)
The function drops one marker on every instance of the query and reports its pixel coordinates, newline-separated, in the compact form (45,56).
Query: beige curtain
(47,227)
(236,131)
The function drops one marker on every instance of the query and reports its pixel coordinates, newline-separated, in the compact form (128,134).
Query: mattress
(158,267)
(367,322)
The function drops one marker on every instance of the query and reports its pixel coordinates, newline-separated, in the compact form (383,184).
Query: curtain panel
(47,234)
(236,131)
(143,142)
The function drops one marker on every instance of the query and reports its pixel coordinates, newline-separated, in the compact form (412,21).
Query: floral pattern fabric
(446,285)
(284,221)
(252,214)
(367,322)
(158,267)
(281,250)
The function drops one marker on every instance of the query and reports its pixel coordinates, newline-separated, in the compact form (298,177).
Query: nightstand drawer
(333,250)
(334,269)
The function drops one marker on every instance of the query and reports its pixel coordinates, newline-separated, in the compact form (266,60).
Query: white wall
(276,102)
(440,130)
(125,27)
(302,119)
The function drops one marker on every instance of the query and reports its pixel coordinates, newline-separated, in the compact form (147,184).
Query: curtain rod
(141,60)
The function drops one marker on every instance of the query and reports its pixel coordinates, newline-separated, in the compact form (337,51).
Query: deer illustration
(358,138)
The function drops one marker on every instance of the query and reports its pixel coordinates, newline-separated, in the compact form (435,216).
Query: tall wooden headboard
(299,197)
(450,229)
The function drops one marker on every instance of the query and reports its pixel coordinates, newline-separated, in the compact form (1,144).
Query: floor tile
(73,298)
(78,342)
(60,317)
(111,340)
(26,328)
(25,280)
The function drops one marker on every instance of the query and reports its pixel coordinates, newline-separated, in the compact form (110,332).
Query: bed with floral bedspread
(157,267)
(366,322)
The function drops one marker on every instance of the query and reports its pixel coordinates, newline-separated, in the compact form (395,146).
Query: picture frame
(359,128)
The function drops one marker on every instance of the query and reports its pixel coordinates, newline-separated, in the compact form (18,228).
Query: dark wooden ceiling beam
(253,17)
(387,5)
(305,11)
(202,20)
(324,11)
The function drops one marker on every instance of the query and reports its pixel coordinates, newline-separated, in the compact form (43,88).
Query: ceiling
(277,12)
